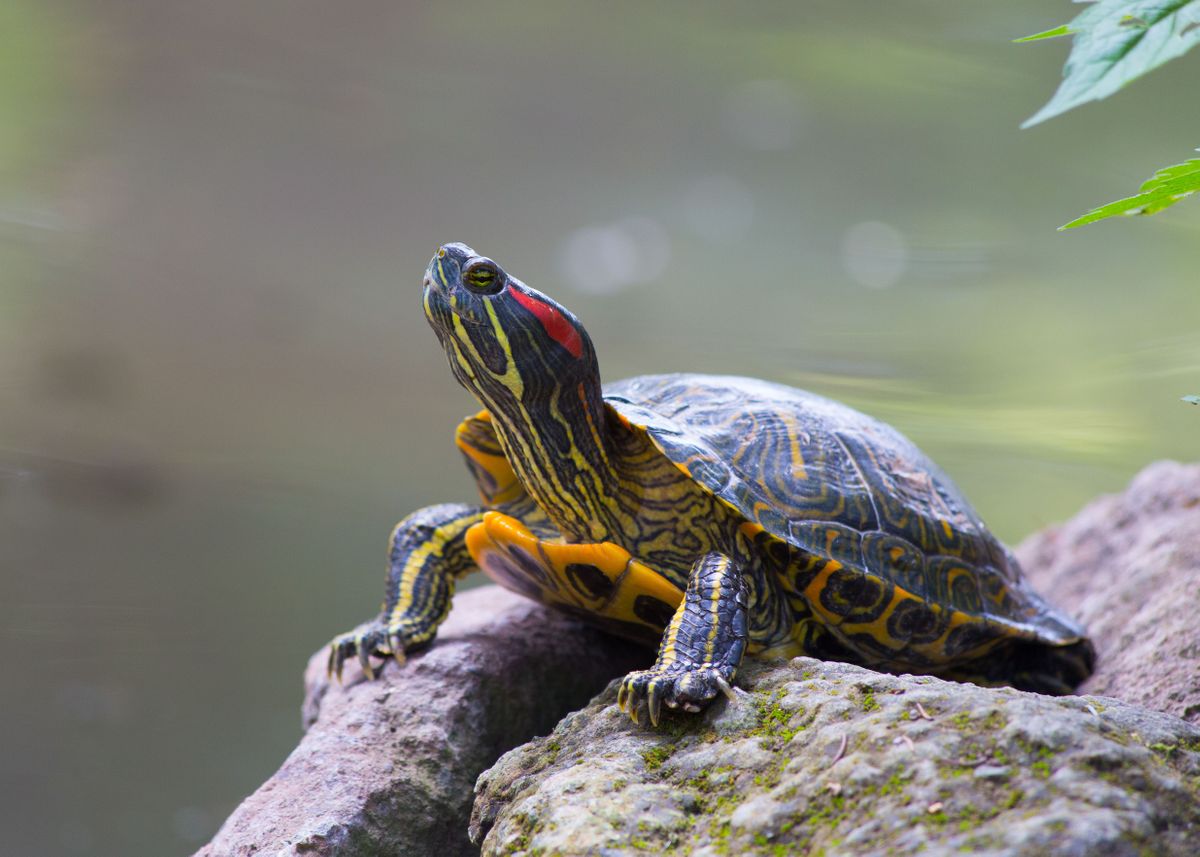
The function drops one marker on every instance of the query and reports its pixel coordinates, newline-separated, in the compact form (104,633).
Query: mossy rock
(826,758)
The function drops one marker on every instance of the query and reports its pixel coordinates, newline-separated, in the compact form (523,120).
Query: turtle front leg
(702,647)
(428,554)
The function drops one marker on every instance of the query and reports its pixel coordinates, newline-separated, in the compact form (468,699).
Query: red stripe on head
(553,322)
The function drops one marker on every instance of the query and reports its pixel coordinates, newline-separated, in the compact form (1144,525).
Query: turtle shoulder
(838,484)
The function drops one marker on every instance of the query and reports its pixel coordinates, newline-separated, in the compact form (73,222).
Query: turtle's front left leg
(702,647)
(428,554)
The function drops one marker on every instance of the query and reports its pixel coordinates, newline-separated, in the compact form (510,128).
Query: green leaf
(1164,189)
(1117,41)
(1064,30)
(1194,400)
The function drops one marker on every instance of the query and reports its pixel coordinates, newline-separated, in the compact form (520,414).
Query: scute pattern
(912,562)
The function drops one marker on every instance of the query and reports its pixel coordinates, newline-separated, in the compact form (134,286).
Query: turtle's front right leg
(702,647)
(428,555)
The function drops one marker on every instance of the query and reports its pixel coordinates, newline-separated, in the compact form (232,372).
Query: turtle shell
(838,485)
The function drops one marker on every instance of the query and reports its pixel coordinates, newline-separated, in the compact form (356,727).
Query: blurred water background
(217,391)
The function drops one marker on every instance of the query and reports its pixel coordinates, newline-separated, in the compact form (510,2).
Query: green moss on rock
(822,758)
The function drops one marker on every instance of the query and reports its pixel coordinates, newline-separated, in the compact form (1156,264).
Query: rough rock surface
(1128,566)
(826,758)
(387,767)
(927,765)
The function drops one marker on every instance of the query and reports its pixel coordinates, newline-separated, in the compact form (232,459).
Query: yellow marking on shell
(813,592)
(629,577)
(798,470)
(877,628)
(751,530)
(508,486)
(934,650)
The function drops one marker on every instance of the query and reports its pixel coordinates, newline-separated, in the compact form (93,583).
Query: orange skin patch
(507,486)
(602,579)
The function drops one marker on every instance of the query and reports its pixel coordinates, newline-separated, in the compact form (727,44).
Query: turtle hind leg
(1033,666)
(702,647)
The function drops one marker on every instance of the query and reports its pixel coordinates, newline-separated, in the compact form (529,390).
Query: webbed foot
(687,688)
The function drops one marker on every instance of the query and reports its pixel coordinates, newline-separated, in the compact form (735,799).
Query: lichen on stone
(823,758)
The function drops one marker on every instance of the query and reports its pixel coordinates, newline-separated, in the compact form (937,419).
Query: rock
(1128,566)
(387,767)
(814,756)
(828,758)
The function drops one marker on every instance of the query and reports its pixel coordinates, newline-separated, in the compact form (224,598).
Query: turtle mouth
(440,307)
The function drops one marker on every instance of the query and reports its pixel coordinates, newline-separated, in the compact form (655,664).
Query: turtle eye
(483,277)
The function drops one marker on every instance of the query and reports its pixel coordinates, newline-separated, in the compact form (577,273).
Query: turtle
(712,517)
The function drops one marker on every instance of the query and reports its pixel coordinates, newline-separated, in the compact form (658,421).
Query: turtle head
(504,339)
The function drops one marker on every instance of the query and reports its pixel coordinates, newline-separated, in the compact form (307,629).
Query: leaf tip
(1082,220)
(1054,33)
(1036,119)
(1050,109)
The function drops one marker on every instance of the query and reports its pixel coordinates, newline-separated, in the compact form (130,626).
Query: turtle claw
(654,701)
(341,648)
(364,660)
(374,640)
(689,689)
(396,644)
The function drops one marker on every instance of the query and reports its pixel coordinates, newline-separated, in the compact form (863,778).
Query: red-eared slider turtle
(709,516)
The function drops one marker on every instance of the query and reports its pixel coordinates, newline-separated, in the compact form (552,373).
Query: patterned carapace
(708,516)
